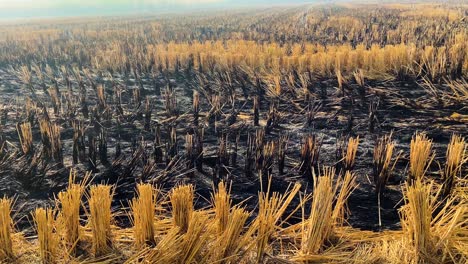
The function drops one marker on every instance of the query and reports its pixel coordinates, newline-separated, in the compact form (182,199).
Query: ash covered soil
(134,152)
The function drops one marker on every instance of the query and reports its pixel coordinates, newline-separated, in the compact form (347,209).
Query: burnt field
(152,131)
(375,102)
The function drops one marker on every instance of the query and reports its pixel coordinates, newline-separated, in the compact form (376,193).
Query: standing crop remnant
(6,245)
(79,147)
(30,109)
(455,158)
(373,107)
(347,185)
(312,109)
(83,93)
(214,113)
(52,144)
(156,84)
(196,108)
(430,224)
(118,101)
(235,148)
(273,118)
(172,146)
(54,79)
(92,151)
(310,152)
(102,143)
(328,210)
(341,81)
(349,156)
(25,76)
(282,148)
(199,137)
(359,77)
(148,112)
(249,156)
(143,215)
(271,206)
(268,158)
(417,215)
(230,243)
(256,110)
(170,102)
(25,137)
(382,166)
(182,206)
(168,250)
(136,100)
(55,98)
(44,221)
(40,76)
(100,218)
(274,89)
(66,77)
(382,162)
(259,145)
(459,90)
(157,145)
(319,225)
(190,153)
(100,93)
(420,156)
(69,216)
(195,238)
(221,200)
(305,83)
(223,157)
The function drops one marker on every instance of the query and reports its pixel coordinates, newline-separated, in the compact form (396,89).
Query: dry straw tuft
(25,137)
(417,217)
(420,156)
(347,186)
(69,216)
(195,238)
(143,215)
(383,167)
(310,152)
(349,157)
(6,245)
(100,219)
(318,227)
(168,250)
(229,245)
(434,227)
(272,206)
(222,205)
(50,134)
(328,210)
(182,206)
(229,224)
(44,221)
(455,158)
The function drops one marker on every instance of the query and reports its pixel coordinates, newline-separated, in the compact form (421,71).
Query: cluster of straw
(421,156)
(6,246)
(349,156)
(455,158)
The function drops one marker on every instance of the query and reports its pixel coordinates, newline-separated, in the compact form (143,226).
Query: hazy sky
(45,8)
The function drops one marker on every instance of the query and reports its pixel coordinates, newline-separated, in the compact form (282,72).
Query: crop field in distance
(297,133)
